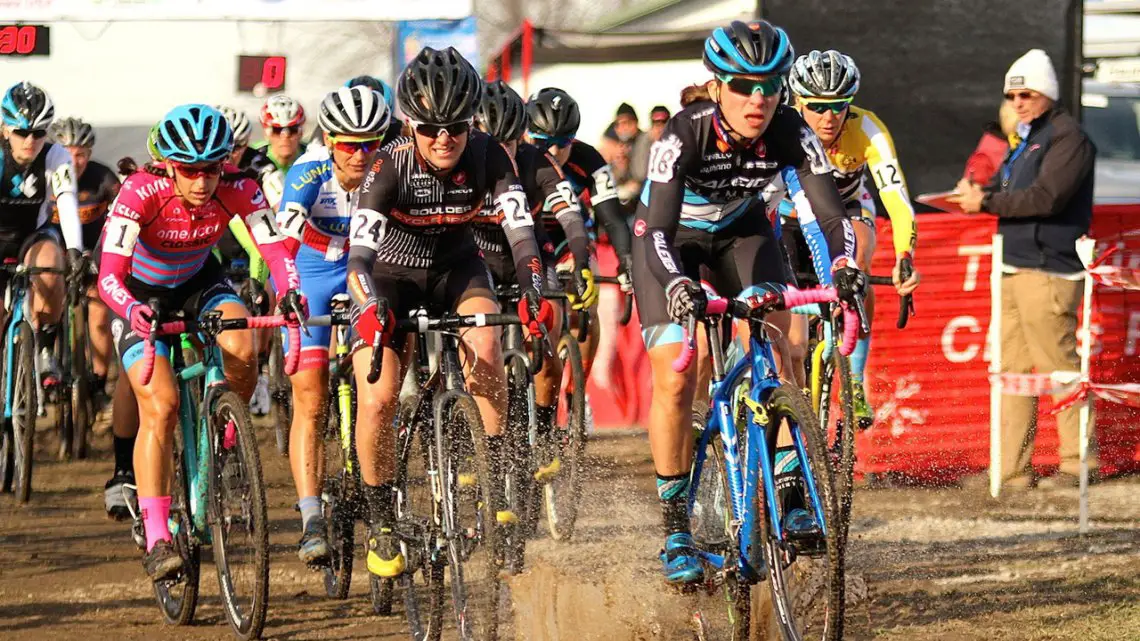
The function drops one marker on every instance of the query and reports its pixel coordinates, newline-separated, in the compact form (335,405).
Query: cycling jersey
(701,178)
(96,189)
(410,216)
(864,142)
(315,213)
(25,195)
(550,195)
(595,187)
(272,175)
(154,237)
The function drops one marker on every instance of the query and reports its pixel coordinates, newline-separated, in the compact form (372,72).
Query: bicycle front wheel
(565,446)
(280,394)
(24,389)
(240,523)
(178,598)
(82,410)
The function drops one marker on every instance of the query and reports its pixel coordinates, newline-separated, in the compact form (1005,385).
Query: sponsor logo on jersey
(761,164)
(258,198)
(460,178)
(152,188)
(639,228)
(114,290)
(422,193)
(309,177)
(125,212)
(661,246)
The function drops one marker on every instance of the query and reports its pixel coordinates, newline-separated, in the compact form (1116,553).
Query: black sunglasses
(453,129)
(277,131)
(34,133)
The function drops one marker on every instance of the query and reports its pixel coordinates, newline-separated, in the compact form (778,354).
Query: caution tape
(1075,389)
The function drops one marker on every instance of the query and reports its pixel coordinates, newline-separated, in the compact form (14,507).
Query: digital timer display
(25,40)
(266,71)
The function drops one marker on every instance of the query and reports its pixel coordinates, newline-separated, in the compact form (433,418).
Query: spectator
(1042,195)
(639,160)
(997,138)
(617,147)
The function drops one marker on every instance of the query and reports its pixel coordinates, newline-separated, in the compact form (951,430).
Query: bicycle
(76,404)
(748,406)
(20,382)
(217,489)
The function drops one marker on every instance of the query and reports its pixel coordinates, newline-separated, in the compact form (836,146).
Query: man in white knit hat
(1042,195)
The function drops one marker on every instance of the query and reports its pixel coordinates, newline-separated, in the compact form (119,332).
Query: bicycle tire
(81,408)
(178,609)
(474,553)
(795,613)
(562,495)
(239,462)
(65,421)
(518,471)
(339,496)
(7,457)
(280,395)
(845,442)
(24,410)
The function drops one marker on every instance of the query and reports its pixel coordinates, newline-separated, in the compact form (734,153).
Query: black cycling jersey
(95,191)
(594,185)
(257,161)
(411,216)
(550,195)
(25,192)
(696,171)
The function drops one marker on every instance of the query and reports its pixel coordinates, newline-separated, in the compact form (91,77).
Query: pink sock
(155,513)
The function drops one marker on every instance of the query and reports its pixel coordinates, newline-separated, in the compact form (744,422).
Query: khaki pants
(1039,332)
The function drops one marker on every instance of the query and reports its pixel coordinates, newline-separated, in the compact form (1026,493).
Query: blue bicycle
(758,432)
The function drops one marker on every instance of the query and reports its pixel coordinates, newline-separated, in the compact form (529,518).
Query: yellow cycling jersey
(864,141)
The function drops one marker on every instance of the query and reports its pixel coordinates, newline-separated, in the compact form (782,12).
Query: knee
(158,412)
(239,348)
(487,349)
(669,386)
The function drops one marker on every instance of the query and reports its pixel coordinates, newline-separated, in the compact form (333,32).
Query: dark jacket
(1043,195)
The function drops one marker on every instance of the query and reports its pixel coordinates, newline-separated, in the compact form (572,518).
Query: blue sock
(859,358)
(310,507)
(673,492)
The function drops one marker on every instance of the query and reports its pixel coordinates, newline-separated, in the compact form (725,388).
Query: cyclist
(824,84)
(712,160)
(315,213)
(156,244)
(33,171)
(411,245)
(554,120)
(502,114)
(282,118)
(395,126)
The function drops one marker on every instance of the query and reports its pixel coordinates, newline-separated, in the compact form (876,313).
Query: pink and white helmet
(282,111)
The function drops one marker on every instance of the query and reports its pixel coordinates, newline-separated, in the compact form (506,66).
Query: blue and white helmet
(26,106)
(193,134)
(755,48)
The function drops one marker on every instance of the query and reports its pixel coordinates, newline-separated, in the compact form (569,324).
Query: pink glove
(141,316)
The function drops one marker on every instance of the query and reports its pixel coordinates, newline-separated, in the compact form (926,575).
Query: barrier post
(995,365)
(1086,408)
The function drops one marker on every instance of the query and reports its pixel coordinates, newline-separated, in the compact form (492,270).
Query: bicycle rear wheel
(178,598)
(339,503)
(845,444)
(474,553)
(806,584)
(24,389)
(280,394)
(82,411)
(240,524)
(518,466)
(566,442)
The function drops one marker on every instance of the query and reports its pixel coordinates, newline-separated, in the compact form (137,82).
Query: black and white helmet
(26,106)
(826,74)
(73,132)
(239,123)
(354,111)
(439,87)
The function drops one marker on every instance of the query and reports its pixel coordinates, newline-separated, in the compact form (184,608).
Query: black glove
(685,299)
(75,261)
(849,282)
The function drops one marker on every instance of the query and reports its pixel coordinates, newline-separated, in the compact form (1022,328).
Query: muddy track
(926,564)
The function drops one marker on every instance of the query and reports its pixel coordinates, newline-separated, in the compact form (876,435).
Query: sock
(155,514)
(310,507)
(545,418)
(673,491)
(496,450)
(789,479)
(380,502)
(124,456)
(859,358)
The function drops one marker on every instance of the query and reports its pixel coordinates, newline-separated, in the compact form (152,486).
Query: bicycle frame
(339,371)
(759,364)
(15,299)
(195,437)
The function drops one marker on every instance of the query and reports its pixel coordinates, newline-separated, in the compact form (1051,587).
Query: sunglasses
(194,172)
(350,147)
(1024,95)
(547,142)
(285,131)
(767,87)
(453,129)
(834,106)
(34,133)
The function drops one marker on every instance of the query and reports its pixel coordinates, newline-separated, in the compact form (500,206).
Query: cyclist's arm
(120,234)
(671,159)
(605,202)
(258,268)
(510,202)
(557,197)
(888,176)
(369,223)
(302,188)
(822,215)
(62,176)
(270,241)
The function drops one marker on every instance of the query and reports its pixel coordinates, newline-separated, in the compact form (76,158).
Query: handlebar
(906,303)
(627,306)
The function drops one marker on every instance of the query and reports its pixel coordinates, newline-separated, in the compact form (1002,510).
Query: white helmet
(354,111)
(282,111)
(239,123)
(827,74)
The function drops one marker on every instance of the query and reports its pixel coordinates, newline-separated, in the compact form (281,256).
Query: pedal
(547,473)
(864,423)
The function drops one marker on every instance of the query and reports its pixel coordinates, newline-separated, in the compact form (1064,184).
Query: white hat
(1033,71)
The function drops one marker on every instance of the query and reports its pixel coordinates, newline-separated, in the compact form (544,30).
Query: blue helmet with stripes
(749,48)
(26,106)
(377,85)
(194,134)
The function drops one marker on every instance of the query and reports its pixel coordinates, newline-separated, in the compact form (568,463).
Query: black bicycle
(76,397)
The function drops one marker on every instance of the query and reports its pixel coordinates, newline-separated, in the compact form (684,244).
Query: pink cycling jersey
(154,236)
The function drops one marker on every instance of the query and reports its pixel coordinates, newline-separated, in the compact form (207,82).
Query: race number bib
(368,228)
(263,224)
(663,157)
(119,236)
(604,186)
(291,220)
(888,175)
(515,212)
(813,148)
(62,180)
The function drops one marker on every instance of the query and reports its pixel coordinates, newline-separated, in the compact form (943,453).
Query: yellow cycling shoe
(864,415)
(384,556)
(547,473)
(467,479)
(506,517)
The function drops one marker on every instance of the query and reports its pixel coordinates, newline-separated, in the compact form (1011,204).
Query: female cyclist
(156,244)
(712,160)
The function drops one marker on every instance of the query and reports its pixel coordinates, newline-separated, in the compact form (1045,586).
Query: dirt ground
(927,564)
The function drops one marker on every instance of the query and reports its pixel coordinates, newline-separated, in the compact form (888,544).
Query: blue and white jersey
(315,209)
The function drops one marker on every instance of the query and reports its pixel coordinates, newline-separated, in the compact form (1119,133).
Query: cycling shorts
(798,254)
(205,291)
(439,288)
(742,255)
(320,281)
